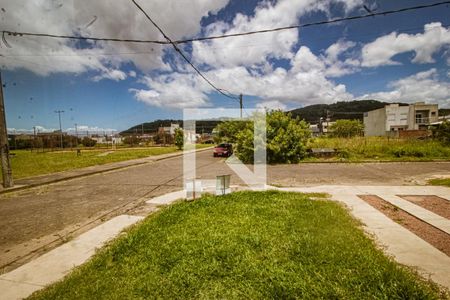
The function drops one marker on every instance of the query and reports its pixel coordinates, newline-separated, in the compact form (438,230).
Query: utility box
(223,185)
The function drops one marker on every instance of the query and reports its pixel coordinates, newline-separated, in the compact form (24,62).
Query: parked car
(223,150)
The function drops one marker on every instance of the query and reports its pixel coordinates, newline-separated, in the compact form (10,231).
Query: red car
(223,150)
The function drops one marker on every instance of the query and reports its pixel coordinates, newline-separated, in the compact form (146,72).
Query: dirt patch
(432,203)
(436,237)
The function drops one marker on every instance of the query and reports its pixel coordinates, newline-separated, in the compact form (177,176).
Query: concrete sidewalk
(34,181)
(397,241)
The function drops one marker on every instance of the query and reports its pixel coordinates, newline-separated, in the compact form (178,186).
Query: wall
(374,122)
(396,116)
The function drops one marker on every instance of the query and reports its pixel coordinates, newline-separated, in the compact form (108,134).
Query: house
(323,127)
(170,129)
(394,118)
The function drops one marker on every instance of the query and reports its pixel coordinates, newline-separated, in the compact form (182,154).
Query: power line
(79,37)
(181,52)
(336,20)
(97,54)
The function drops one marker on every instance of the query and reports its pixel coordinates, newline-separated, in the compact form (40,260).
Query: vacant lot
(244,245)
(26,163)
(382,148)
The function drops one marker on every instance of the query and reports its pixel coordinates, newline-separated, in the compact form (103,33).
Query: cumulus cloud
(381,51)
(115,75)
(423,86)
(304,83)
(84,129)
(176,90)
(274,104)
(95,18)
(238,51)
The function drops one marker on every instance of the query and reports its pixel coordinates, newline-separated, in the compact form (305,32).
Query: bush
(347,128)
(227,132)
(286,139)
(88,142)
(442,132)
(179,138)
(131,140)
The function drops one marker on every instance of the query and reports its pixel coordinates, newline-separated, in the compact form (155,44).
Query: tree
(88,142)
(286,138)
(442,132)
(226,132)
(179,138)
(347,128)
(131,140)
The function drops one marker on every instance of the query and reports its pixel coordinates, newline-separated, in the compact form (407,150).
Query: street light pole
(4,147)
(59,112)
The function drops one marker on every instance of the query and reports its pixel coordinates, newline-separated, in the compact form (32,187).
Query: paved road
(34,220)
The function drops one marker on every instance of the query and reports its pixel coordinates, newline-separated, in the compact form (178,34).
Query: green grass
(382,148)
(247,245)
(440,181)
(25,163)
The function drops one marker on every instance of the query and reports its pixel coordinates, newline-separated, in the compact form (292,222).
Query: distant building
(393,118)
(169,129)
(323,127)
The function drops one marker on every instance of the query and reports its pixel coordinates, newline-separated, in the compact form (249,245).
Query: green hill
(203,126)
(339,110)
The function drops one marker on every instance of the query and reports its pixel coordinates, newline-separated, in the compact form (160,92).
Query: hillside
(205,126)
(339,110)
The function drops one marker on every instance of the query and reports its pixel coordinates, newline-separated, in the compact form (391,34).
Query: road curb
(56,180)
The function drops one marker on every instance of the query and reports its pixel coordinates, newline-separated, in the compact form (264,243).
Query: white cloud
(38,129)
(122,20)
(175,90)
(238,51)
(304,83)
(115,75)
(84,129)
(274,104)
(382,50)
(423,86)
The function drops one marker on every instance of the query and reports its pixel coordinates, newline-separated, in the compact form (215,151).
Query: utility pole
(4,147)
(59,112)
(240,103)
(34,138)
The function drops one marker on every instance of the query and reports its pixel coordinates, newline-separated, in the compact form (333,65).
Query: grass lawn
(247,245)
(25,163)
(440,181)
(381,148)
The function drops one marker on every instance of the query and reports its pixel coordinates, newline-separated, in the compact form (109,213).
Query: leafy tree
(442,132)
(286,138)
(88,142)
(347,128)
(179,138)
(131,140)
(226,132)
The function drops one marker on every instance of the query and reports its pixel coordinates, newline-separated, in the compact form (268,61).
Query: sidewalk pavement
(397,241)
(34,181)
(403,245)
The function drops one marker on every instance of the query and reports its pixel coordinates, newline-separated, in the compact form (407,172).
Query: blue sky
(103,86)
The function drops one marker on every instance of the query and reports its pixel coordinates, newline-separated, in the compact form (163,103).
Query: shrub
(442,132)
(347,128)
(179,138)
(88,142)
(286,139)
